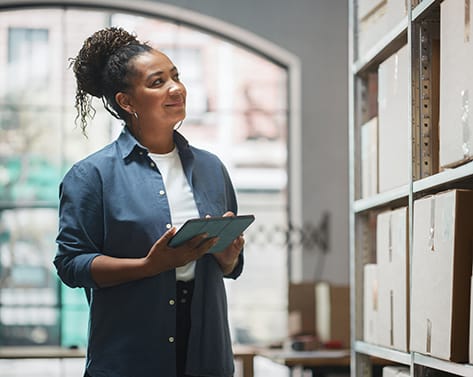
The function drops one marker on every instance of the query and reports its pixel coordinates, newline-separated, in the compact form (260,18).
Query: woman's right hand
(162,257)
(109,271)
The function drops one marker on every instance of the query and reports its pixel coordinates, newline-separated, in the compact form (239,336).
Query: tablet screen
(226,228)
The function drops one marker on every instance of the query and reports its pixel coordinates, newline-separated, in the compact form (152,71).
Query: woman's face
(157,95)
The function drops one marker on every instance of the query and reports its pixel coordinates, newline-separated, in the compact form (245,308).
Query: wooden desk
(320,362)
(244,354)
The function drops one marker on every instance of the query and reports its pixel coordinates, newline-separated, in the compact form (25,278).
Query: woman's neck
(155,141)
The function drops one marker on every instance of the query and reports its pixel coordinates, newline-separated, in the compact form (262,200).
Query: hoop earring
(179,125)
(137,126)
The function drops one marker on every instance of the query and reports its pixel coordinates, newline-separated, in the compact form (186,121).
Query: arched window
(238,107)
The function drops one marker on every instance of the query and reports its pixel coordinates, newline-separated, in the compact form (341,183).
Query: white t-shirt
(180,198)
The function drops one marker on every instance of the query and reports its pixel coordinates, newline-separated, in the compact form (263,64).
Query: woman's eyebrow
(153,74)
(159,73)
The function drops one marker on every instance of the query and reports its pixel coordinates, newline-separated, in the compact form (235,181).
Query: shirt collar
(128,144)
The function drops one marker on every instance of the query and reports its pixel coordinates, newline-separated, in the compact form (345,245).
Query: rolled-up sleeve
(80,232)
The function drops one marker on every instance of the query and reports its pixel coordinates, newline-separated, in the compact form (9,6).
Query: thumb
(166,237)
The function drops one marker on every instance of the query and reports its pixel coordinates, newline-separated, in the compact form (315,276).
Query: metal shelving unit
(385,47)
(382,199)
(424,6)
(465,370)
(418,30)
(458,177)
(383,353)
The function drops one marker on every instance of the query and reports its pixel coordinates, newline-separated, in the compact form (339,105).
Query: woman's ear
(123,101)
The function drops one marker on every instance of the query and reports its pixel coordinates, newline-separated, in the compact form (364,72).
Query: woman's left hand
(228,258)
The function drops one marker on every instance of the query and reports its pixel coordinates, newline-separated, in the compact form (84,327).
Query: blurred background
(231,112)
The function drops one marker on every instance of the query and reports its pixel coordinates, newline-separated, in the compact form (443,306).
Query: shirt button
(172,302)
(151,164)
(168,226)
(161,192)
(171,339)
(141,153)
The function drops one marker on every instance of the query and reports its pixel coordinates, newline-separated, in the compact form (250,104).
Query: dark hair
(102,68)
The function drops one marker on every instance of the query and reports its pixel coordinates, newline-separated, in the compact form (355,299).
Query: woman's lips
(175,103)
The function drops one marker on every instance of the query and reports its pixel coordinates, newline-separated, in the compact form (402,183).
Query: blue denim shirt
(111,203)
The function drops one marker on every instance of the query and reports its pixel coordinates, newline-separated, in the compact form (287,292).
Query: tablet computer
(226,229)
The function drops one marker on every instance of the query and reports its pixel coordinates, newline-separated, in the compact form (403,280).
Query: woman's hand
(162,257)
(109,271)
(229,257)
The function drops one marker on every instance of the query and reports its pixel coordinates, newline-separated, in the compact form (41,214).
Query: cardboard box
(393,282)
(301,309)
(319,309)
(456,84)
(369,158)
(368,7)
(376,18)
(332,314)
(396,371)
(393,120)
(370,97)
(441,274)
(370,303)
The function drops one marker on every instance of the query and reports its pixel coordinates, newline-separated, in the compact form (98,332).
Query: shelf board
(381,199)
(444,178)
(446,366)
(423,8)
(390,43)
(383,352)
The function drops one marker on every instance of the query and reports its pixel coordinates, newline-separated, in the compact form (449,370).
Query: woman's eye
(157,82)
(176,77)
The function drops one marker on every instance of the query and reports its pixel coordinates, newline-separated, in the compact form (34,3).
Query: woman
(154,310)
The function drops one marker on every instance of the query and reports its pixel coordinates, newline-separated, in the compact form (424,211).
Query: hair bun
(94,55)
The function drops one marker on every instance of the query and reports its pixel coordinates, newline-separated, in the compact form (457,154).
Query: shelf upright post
(351,180)
(425,71)
(360,363)
(413,116)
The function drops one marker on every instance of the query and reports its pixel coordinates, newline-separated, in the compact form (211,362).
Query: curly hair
(102,68)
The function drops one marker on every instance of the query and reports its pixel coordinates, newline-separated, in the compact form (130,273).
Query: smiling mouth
(175,104)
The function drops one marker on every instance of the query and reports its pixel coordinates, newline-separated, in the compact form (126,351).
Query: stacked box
(332,314)
(456,84)
(320,309)
(441,274)
(376,18)
(396,371)
(393,282)
(370,303)
(393,120)
(301,309)
(369,158)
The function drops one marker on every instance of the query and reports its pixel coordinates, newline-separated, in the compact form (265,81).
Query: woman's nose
(175,88)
